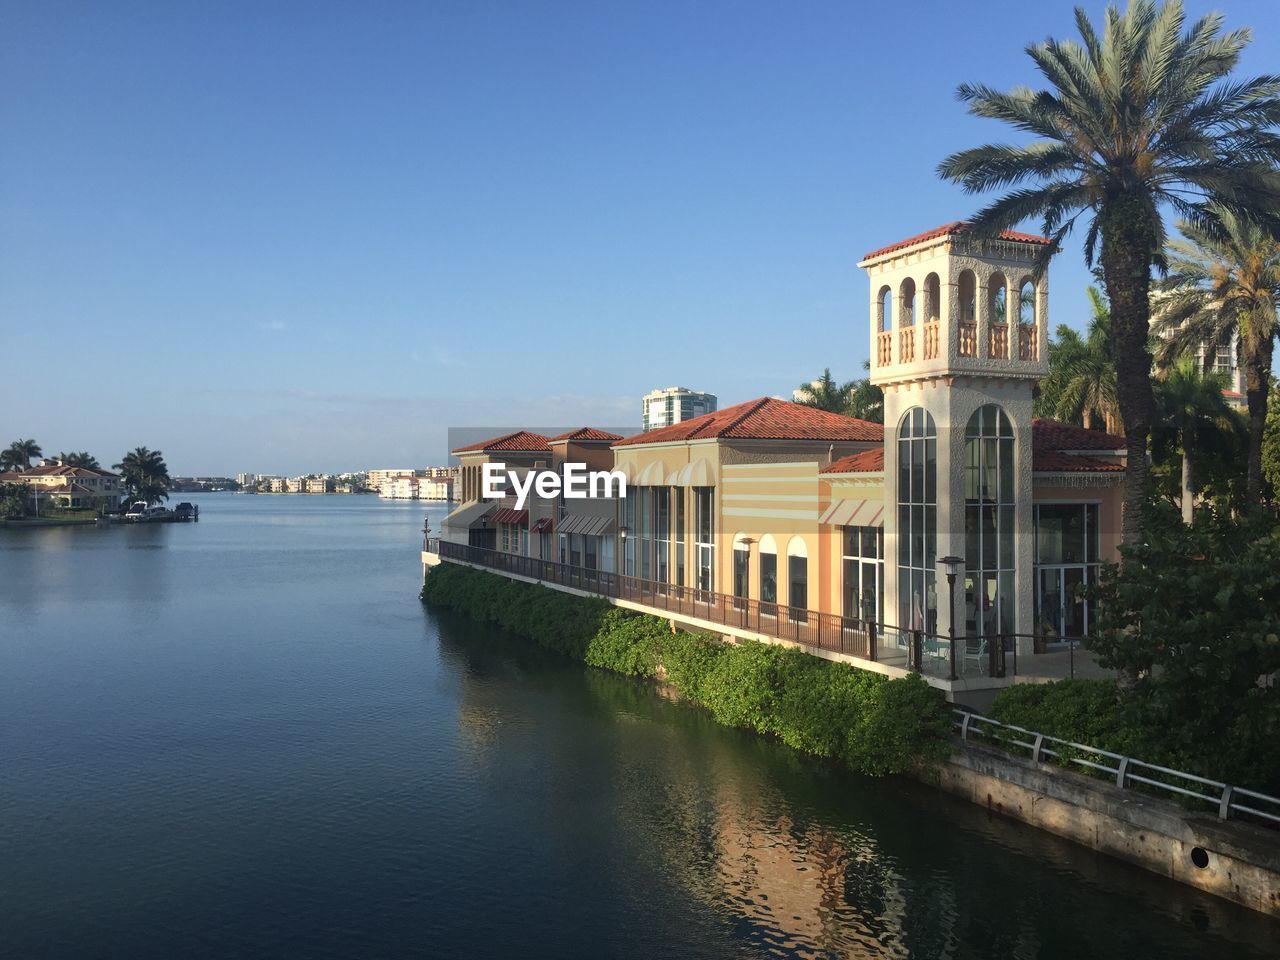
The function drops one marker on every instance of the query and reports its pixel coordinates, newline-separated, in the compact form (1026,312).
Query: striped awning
(542,525)
(854,513)
(507,515)
(588,526)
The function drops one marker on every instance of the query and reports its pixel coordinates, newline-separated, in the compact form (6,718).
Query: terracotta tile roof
(764,419)
(587,435)
(868,461)
(522,441)
(62,470)
(1052,461)
(949,229)
(1054,435)
(1233,394)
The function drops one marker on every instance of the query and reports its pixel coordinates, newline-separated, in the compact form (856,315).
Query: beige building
(71,487)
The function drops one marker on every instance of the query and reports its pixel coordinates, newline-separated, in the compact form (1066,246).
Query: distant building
(662,408)
(435,488)
(317,485)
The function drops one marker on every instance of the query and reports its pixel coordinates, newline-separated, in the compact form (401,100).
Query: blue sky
(306,237)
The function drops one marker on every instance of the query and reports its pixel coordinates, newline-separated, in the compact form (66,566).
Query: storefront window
(988,525)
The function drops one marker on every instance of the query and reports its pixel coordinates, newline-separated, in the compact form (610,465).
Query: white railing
(1124,771)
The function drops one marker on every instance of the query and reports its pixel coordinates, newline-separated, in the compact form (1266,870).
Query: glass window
(768,578)
(798,587)
(1066,550)
(704,505)
(988,528)
(917,521)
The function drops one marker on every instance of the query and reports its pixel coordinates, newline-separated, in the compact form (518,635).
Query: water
(246,738)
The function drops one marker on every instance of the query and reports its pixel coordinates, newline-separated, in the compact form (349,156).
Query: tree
(1190,401)
(13,500)
(825,393)
(1223,283)
(81,459)
(1271,441)
(19,455)
(145,475)
(1081,385)
(1140,118)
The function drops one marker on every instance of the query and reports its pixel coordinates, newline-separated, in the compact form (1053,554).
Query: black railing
(810,628)
(927,653)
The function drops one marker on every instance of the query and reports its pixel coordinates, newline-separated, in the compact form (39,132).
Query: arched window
(1026,303)
(932,298)
(907,303)
(768,576)
(917,521)
(884,310)
(741,566)
(967,294)
(997,297)
(988,522)
(798,579)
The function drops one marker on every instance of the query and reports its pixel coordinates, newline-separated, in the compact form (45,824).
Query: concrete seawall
(1234,860)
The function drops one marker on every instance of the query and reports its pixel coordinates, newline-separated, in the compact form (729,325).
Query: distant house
(57,484)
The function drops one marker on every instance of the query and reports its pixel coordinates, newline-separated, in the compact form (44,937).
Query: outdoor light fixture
(952,566)
(623,531)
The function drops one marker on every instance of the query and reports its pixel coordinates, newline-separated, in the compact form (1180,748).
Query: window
(591,548)
(798,580)
(680,535)
(704,517)
(1066,538)
(662,540)
(988,523)
(741,568)
(917,521)
(863,569)
(629,521)
(768,576)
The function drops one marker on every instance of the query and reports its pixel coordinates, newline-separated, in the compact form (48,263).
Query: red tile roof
(1054,435)
(950,229)
(868,461)
(521,441)
(764,419)
(61,470)
(1233,394)
(587,435)
(1052,461)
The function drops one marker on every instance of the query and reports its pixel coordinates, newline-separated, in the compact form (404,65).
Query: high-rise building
(662,408)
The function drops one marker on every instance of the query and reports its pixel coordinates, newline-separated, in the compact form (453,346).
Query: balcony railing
(932,332)
(968,346)
(906,344)
(884,348)
(1028,345)
(819,631)
(999,345)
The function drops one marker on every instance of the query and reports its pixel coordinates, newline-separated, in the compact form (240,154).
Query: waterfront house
(964,514)
(56,483)
(489,522)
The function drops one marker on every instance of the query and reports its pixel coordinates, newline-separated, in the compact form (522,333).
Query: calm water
(246,738)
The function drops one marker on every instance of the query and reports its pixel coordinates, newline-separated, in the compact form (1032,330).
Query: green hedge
(1146,727)
(873,724)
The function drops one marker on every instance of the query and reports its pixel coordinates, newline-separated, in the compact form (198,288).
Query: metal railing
(1125,772)
(926,652)
(809,628)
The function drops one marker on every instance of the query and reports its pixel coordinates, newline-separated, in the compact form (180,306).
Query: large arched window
(988,522)
(917,521)
(884,310)
(798,580)
(768,576)
(907,303)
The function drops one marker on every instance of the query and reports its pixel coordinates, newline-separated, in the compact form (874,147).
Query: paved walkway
(1059,665)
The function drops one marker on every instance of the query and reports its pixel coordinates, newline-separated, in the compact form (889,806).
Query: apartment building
(662,408)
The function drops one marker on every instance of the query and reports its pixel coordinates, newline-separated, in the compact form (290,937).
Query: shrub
(873,724)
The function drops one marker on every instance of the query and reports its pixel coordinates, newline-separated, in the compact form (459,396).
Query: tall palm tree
(1081,385)
(145,475)
(1223,283)
(81,459)
(1190,401)
(1138,118)
(866,401)
(825,393)
(20,454)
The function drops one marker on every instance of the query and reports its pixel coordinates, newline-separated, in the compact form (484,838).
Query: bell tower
(959,339)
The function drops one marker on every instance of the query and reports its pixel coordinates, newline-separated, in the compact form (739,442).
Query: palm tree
(81,459)
(20,454)
(1190,401)
(866,401)
(1223,283)
(145,475)
(1081,385)
(825,393)
(1131,121)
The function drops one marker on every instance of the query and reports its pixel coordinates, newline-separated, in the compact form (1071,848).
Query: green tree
(1081,385)
(1189,400)
(81,459)
(1137,119)
(13,500)
(1271,441)
(1223,283)
(825,393)
(145,475)
(19,455)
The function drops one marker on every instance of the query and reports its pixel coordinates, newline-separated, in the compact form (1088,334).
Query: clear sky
(295,237)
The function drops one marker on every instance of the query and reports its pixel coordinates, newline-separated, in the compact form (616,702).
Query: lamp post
(952,566)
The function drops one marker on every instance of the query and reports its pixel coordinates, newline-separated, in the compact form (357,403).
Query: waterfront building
(56,484)
(318,485)
(662,408)
(799,524)
(435,488)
